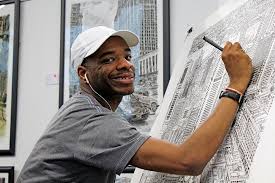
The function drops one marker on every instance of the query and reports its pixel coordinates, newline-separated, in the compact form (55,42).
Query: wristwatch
(232,94)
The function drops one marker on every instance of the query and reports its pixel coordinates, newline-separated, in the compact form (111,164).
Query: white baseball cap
(90,40)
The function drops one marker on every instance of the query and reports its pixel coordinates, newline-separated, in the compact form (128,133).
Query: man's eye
(108,60)
(129,57)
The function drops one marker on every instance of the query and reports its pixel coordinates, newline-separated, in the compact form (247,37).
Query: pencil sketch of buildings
(140,17)
(202,79)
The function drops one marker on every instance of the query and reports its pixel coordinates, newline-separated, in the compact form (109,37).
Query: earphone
(88,82)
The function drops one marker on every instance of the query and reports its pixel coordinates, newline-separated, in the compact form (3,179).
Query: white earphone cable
(98,93)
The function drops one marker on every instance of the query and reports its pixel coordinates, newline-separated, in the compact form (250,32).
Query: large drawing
(199,84)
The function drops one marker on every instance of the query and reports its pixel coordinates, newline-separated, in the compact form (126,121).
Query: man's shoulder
(80,101)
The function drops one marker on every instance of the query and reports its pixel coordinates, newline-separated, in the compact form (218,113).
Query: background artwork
(151,56)
(198,86)
(80,16)
(140,17)
(3,178)
(9,49)
(4,54)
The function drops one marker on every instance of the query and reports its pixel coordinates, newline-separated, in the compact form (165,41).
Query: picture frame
(152,66)
(9,52)
(6,174)
(71,27)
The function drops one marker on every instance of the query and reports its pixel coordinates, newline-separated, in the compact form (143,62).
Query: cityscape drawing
(140,17)
(199,86)
(4,54)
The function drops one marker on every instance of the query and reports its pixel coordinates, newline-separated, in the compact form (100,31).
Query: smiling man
(109,71)
(87,142)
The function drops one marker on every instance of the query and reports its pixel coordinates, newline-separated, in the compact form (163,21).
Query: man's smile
(125,78)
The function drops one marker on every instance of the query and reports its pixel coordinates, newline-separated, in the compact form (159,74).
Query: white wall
(39,56)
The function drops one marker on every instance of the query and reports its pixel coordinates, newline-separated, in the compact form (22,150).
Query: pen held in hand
(212,43)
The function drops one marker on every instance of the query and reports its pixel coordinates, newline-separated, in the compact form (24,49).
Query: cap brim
(130,38)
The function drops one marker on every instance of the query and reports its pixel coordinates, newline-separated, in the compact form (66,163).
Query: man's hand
(238,66)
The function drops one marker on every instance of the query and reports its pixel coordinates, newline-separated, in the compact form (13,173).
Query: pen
(212,43)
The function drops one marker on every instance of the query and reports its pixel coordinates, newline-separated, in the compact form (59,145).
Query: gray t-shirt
(84,142)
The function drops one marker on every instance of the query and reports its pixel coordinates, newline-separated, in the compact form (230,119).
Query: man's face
(110,70)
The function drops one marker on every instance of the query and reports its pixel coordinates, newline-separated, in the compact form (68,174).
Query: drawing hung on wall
(9,40)
(200,82)
(7,174)
(4,56)
(140,17)
(81,15)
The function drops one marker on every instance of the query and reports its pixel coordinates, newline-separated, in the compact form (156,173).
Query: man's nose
(124,64)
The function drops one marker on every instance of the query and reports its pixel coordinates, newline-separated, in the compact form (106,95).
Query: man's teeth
(123,78)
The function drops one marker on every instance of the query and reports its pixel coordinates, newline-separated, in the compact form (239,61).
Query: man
(88,142)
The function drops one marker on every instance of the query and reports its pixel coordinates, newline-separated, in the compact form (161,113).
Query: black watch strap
(231,94)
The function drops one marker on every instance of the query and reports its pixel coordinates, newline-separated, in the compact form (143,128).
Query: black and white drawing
(140,17)
(200,83)
(9,52)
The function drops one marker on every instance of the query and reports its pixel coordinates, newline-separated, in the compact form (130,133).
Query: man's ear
(81,71)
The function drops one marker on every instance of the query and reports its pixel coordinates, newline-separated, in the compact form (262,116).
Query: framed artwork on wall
(7,174)
(149,19)
(9,50)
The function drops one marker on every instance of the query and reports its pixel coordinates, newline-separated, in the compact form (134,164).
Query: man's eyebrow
(112,52)
(106,53)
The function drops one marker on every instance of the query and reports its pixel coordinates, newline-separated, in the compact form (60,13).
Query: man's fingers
(227,46)
(237,46)
(233,47)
